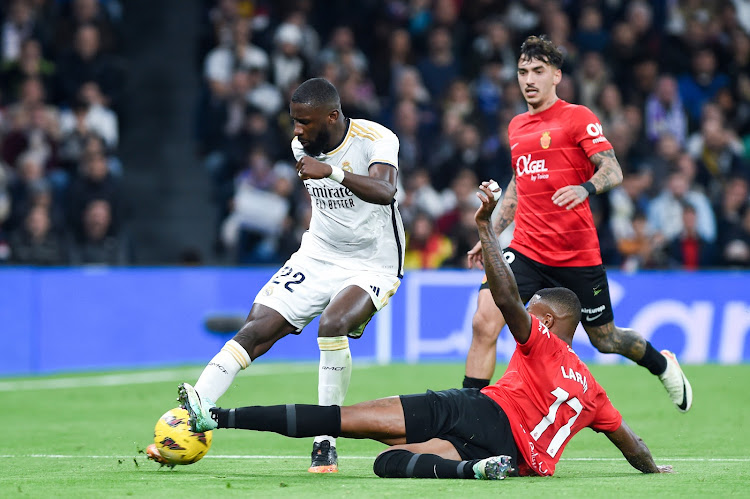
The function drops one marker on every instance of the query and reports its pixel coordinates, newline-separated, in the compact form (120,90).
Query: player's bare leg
(485,328)
(264,326)
(351,308)
(609,338)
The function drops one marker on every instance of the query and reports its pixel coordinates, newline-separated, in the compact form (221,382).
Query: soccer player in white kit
(348,266)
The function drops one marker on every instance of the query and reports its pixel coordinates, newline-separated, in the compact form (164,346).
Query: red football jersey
(549,395)
(550,150)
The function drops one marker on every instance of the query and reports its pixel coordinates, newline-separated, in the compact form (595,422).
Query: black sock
(475,382)
(292,420)
(653,360)
(400,463)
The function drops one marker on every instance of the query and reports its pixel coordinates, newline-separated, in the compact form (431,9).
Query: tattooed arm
(502,221)
(500,278)
(608,175)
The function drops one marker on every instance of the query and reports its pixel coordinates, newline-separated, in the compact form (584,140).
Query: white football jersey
(344,229)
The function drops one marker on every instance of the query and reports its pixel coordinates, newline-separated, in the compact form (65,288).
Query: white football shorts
(303,287)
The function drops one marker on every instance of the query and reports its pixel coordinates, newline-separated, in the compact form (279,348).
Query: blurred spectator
(34,126)
(84,12)
(406,127)
(642,247)
(258,217)
(95,182)
(19,25)
(88,115)
(439,67)
(702,83)
(463,235)
(358,96)
(420,197)
(665,211)
(36,242)
(231,55)
(608,105)
(689,250)
(590,78)
(342,50)
(262,94)
(717,150)
(426,247)
(732,202)
(493,46)
(99,243)
(460,193)
(665,112)
(288,65)
(459,100)
(387,70)
(591,34)
(625,201)
(736,250)
(310,37)
(87,63)
(29,65)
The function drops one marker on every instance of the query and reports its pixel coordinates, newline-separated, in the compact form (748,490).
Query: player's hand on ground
(666,469)
(570,196)
(474,257)
(308,167)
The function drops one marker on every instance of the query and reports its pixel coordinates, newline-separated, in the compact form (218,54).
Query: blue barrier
(98,318)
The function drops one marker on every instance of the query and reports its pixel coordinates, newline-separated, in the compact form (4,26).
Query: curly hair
(542,49)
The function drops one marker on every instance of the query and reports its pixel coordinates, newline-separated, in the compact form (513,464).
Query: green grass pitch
(82,435)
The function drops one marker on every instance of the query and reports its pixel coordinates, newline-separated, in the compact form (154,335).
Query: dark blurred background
(141,133)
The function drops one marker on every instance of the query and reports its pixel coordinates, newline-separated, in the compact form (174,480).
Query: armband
(589,188)
(337,174)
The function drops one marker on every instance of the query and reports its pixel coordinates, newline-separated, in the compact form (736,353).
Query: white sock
(220,372)
(334,374)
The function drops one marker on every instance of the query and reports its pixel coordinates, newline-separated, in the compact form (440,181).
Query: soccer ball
(175,442)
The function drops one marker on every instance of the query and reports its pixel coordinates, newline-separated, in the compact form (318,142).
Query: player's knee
(485,327)
(392,463)
(333,326)
(604,343)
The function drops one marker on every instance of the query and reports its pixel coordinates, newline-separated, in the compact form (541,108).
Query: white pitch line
(144,377)
(219,456)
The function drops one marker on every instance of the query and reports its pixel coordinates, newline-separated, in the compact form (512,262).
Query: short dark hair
(542,48)
(317,93)
(563,298)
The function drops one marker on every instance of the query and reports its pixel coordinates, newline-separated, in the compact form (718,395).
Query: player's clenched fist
(308,167)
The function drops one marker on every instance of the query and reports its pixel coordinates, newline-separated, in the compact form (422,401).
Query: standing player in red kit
(560,157)
(518,426)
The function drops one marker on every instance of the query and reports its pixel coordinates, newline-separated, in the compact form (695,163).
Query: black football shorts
(474,423)
(588,283)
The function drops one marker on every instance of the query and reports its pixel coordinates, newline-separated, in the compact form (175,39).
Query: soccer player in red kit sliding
(560,157)
(518,426)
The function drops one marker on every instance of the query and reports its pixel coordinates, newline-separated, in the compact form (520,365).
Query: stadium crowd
(61,82)
(669,79)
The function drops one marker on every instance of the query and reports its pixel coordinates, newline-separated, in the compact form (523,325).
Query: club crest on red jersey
(545,140)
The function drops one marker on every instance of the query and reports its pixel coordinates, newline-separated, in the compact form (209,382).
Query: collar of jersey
(343,140)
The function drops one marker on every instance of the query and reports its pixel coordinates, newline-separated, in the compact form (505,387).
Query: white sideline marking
(143,377)
(219,456)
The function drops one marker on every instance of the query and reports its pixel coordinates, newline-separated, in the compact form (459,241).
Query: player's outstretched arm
(608,176)
(379,187)
(502,221)
(635,450)
(500,278)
